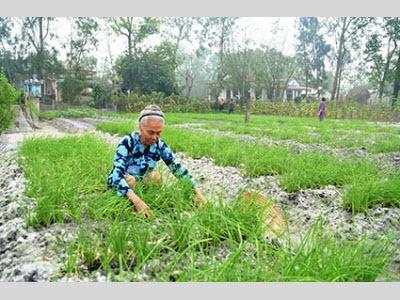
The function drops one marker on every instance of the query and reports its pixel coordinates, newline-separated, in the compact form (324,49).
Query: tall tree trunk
(243,85)
(307,76)
(41,55)
(339,83)
(339,60)
(189,85)
(396,84)
(247,114)
(386,69)
(178,39)
(221,61)
(111,65)
(130,44)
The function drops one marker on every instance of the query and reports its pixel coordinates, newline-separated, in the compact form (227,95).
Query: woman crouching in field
(136,158)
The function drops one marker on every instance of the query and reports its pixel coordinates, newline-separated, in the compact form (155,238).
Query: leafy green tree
(71,87)
(5,29)
(195,72)
(239,64)
(82,41)
(280,70)
(379,70)
(5,34)
(187,72)
(312,50)
(12,62)
(101,93)
(135,29)
(13,67)
(43,60)
(80,65)
(149,71)
(180,29)
(347,31)
(393,29)
(380,52)
(8,100)
(270,69)
(218,32)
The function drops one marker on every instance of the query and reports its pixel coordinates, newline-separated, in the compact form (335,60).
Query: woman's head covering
(151,110)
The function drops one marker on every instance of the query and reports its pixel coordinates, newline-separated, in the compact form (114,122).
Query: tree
(180,30)
(36,30)
(347,37)
(80,65)
(149,71)
(187,72)
(396,84)
(71,87)
(312,50)
(393,29)
(239,67)
(218,31)
(5,34)
(279,70)
(380,64)
(195,72)
(240,72)
(268,69)
(12,64)
(135,29)
(379,53)
(83,40)
(249,70)
(102,92)
(5,31)
(43,61)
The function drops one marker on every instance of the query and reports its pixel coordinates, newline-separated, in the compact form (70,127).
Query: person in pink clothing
(321,109)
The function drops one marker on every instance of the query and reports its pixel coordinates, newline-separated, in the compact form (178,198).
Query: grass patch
(61,172)
(321,257)
(180,242)
(311,169)
(375,139)
(367,192)
(303,170)
(69,113)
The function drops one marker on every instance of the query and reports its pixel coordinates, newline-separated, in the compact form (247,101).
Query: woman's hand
(139,205)
(142,208)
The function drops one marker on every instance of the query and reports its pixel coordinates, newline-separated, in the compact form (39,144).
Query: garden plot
(371,140)
(332,209)
(26,254)
(205,259)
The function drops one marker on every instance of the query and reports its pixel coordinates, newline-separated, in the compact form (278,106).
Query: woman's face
(150,131)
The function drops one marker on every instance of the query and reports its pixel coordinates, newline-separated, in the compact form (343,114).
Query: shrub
(8,98)
(71,87)
(101,95)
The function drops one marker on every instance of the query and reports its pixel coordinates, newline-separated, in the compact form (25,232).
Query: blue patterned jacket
(131,158)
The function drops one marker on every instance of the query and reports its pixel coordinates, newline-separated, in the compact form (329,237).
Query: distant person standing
(322,109)
(231,105)
(221,103)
